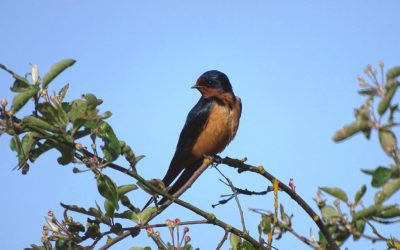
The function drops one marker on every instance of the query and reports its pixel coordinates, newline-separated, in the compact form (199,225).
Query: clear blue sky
(293,63)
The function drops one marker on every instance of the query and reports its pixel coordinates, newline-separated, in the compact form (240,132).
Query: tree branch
(242,167)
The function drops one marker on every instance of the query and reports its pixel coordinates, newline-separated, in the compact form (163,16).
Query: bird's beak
(196,87)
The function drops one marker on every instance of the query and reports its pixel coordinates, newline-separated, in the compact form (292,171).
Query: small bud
(177,221)
(94,159)
(185,229)
(35,74)
(3,102)
(45,232)
(45,228)
(157,234)
(43,92)
(373,71)
(25,169)
(291,185)
(76,170)
(69,219)
(367,69)
(93,137)
(50,213)
(78,146)
(149,230)
(170,223)
(187,238)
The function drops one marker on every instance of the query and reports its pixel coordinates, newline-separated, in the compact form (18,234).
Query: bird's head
(214,83)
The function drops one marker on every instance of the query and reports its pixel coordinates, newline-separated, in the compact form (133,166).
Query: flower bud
(35,74)
(149,230)
(3,102)
(177,221)
(185,229)
(25,169)
(187,238)
(170,223)
(50,213)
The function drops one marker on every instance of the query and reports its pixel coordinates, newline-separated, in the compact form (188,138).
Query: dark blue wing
(195,122)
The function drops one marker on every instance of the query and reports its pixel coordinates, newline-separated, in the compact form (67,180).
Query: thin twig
(236,199)
(376,231)
(242,167)
(300,237)
(221,243)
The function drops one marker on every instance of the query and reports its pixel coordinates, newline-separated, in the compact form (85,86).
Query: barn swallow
(210,126)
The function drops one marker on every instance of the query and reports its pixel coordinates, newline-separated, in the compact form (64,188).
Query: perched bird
(210,126)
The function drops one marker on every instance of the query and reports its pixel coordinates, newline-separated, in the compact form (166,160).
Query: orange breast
(219,130)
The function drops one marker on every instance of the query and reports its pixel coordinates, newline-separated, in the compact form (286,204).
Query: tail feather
(183,178)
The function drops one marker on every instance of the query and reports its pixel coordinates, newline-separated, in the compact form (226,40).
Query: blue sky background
(293,63)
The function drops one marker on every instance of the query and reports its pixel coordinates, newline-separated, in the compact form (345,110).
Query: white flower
(35,73)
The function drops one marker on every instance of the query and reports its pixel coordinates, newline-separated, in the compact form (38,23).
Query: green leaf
(266,223)
(245,245)
(387,98)
(235,241)
(393,73)
(358,228)
(63,92)
(368,92)
(128,214)
(21,86)
(77,113)
(55,70)
(61,244)
(22,81)
(53,115)
(92,101)
(111,148)
(389,212)
(93,230)
(39,124)
(125,189)
(67,154)
(35,247)
(22,98)
(16,145)
(117,229)
(346,132)
(380,176)
(28,142)
(75,227)
(336,192)
(329,213)
(145,214)
(42,148)
(388,141)
(360,193)
(388,189)
(367,213)
(108,189)
(109,207)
